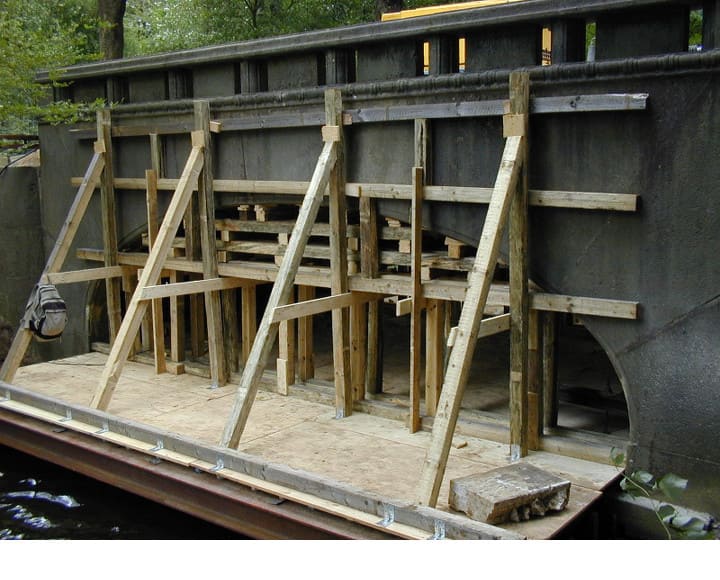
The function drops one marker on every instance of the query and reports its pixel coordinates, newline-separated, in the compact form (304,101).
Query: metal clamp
(439,531)
(160,445)
(218,466)
(514,453)
(6,397)
(388,515)
(105,428)
(67,417)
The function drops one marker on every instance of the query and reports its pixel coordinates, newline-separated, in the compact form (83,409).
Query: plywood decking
(368,452)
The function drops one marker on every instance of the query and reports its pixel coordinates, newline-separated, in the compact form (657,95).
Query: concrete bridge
(641,119)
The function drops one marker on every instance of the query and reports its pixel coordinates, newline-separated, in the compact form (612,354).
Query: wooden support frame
(54,264)
(519,298)
(150,275)
(267,332)
(338,260)
(434,353)
(206,202)
(109,222)
(305,343)
(158,324)
(479,282)
(415,420)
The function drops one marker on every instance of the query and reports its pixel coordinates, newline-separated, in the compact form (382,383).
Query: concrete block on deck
(513,493)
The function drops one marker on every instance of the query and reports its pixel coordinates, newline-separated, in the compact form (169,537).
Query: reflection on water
(39,501)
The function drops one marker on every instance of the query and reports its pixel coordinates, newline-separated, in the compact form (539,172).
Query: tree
(37,35)
(383,6)
(110,22)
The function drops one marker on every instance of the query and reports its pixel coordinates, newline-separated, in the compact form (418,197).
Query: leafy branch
(660,492)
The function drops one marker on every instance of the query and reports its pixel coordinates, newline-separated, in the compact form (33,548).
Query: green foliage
(153,26)
(40,35)
(696,22)
(661,491)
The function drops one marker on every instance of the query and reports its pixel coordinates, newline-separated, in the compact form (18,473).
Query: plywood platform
(367,452)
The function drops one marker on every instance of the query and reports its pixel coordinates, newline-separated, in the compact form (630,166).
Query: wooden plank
(601,201)
(519,300)
(109,223)
(582,305)
(494,325)
(87,275)
(151,273)
(338,261)
(404,306)
(248,319)
(417,299)
(479,282)
(191,287)
(206,198)
(306,362)
(231,329)
(23,336)
(279,295)
(434,353)
(158,324)
(320,305)
(177,323)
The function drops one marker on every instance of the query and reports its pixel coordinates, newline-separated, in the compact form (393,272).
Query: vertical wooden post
(549,369)
(434,353)
(231,329)
(306,357)
(417,299)
(206,202)
(338,261)
(519,302)
(158,324)
(109,221)
(359,344)
(248,319)
(370,268)
(286,355)
(535,402)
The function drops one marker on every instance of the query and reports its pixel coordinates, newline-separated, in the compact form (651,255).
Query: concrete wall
(664,256)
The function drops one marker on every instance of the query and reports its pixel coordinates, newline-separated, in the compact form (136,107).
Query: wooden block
(514,125)
(404,246)
(331,133)
(513,493)
(455,248)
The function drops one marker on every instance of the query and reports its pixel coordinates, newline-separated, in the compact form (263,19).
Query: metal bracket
(388,515)
(160,445)
(439,531)
(105,428)
(214,385)
(339,414)
(514,453)
(220,465)
(6,397)
(67,417)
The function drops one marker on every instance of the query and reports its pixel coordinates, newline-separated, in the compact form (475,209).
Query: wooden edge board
(284,492)
(494,325)
(191,287)
(320,305)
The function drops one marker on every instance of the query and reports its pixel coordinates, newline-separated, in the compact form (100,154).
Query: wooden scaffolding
(357,286)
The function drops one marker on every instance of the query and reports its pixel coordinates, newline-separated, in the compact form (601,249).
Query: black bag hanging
(46,313)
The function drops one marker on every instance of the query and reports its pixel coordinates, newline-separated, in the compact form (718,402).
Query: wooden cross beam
(150,275)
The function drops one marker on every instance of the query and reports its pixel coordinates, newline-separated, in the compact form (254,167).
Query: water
(40,501)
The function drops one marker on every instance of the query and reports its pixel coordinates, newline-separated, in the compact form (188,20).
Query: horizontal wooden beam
(320,305)
(445,193)
(192,287)
(86,275)
(391,285)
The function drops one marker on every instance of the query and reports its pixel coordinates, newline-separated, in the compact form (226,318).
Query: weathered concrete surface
(512,493)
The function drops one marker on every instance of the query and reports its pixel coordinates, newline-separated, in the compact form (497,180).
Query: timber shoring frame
(346,290)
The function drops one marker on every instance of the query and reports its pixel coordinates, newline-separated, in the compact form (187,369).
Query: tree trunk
(383,6)
(112,38)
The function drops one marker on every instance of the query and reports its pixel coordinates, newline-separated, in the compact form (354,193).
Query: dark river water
(40,501)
